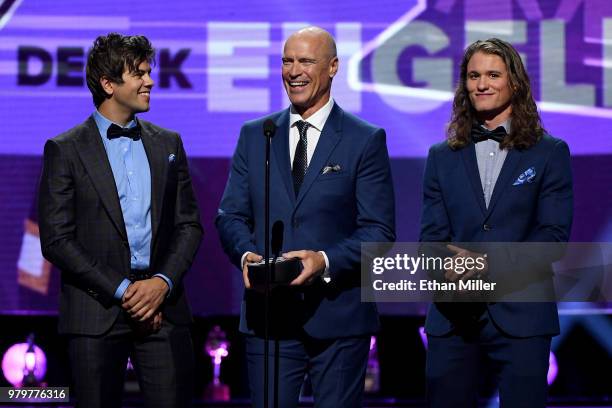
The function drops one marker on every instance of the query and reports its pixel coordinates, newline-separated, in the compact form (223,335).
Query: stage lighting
(24,364)
(29,379)
(553,368)
(372,378)
(217,347)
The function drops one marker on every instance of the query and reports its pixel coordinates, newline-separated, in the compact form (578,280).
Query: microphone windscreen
(269,128)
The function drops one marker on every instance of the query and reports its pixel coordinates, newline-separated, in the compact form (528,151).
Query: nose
(295,70)
(483,83)
(148,81)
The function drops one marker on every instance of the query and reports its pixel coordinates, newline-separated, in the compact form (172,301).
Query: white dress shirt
(313,133)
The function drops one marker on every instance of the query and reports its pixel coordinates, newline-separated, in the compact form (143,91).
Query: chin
(485,109)
(297,103)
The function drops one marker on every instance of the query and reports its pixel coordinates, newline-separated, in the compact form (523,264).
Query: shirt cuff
(243,258)
(326,276)
(167,280)
(122,288)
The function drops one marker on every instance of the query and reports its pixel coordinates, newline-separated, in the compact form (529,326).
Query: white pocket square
(171,158)
(331,168)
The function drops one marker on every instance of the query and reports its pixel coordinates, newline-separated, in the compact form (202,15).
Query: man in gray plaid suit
(118,216)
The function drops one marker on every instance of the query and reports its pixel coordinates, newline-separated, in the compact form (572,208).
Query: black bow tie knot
(480,134)
(115,131)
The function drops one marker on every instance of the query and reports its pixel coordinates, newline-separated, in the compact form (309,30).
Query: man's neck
(492,120)
(318,118)
(305,113)
(114,114)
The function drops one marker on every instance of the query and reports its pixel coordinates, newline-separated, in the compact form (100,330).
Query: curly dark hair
(526,127)
(110,55)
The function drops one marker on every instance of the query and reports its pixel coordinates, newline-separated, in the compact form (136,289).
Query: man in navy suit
(498,178)
(331,186)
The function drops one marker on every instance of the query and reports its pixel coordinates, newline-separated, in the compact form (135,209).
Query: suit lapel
(280,151)
(96,164)
(505,176)
(330,136)
(158,164)
(471,166)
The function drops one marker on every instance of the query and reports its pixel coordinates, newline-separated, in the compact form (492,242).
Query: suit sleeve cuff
(326,276)
(167,280)
(122,288)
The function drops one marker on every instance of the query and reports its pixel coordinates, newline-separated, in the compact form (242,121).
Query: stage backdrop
(218,64)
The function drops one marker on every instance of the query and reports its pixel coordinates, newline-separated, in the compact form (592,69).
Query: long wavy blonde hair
(526,127)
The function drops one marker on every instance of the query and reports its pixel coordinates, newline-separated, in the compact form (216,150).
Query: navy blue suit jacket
(540,211)
(334,212)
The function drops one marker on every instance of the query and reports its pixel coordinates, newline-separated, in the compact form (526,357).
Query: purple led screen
(218,65)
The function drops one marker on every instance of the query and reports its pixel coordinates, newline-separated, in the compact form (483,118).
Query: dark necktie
(300,160)
(480,134)
(115,131)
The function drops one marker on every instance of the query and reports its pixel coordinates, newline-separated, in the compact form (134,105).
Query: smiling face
(130,97)
(488,87)
(309,64)
(134,93)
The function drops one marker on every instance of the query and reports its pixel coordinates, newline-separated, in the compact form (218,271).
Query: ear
(333,67)
(107,85)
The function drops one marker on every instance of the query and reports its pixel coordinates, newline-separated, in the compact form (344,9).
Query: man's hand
(313,263)
(156,322)
(469,273)
(142,298)
(250,258)
(150,326)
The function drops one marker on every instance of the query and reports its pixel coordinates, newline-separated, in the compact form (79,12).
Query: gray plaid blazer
(82,230)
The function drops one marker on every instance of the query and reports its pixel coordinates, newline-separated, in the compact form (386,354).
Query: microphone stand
(269,128)
(277,245)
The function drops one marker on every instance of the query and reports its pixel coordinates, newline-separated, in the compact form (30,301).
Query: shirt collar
(104,123)
(317,120)
(506,125)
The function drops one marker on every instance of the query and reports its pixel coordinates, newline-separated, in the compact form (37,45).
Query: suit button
(486,227)
(295,223)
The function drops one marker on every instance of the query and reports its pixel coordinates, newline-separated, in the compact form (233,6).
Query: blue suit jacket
(334,212)
(539,211)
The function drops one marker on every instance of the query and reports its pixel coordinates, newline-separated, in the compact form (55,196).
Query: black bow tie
(115,131)
(480,134)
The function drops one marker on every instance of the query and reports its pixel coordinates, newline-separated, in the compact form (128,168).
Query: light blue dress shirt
(130,167)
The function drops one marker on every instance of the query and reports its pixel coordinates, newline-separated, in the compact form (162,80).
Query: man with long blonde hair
(497,178)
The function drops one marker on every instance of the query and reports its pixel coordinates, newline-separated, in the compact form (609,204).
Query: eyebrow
(303,59)
(493,71)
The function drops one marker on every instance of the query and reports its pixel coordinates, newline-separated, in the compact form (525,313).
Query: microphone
(278,230)
(269,128)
